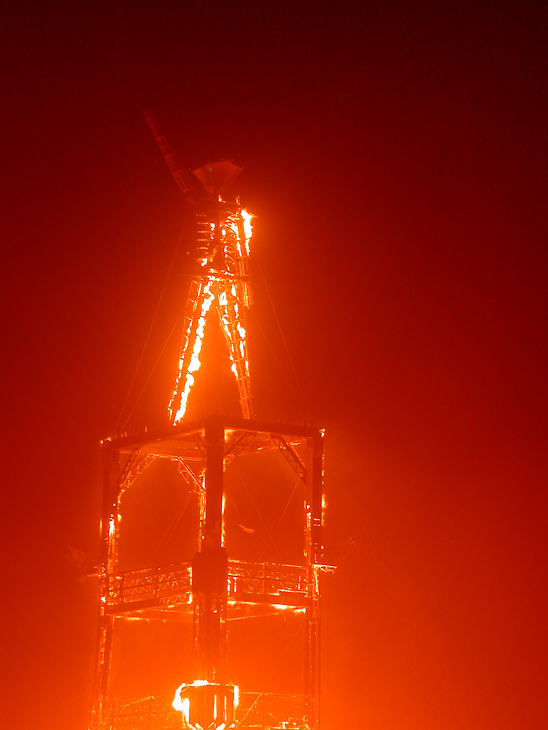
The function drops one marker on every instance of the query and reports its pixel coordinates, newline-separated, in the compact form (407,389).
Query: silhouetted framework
(220,272)
(250,605)
(212,590)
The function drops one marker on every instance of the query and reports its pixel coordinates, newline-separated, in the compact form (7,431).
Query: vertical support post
(210,567)
(214,437)
(109,525)
(314,487)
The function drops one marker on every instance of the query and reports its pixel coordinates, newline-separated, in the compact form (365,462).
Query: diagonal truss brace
(290,454)
(188,475)
(135,466)
(236,446)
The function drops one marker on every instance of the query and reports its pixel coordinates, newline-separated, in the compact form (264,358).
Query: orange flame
(236,232)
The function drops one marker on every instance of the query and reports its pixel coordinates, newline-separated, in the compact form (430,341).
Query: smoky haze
(395,159)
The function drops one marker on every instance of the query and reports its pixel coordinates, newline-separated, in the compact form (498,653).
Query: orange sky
(395,158)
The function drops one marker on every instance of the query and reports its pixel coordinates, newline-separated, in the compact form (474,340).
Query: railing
(171,586)
(149,713)
(166,586)
(263,710)
(268,583)
(269,711)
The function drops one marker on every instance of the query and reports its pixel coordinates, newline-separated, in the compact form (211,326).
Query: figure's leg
(231,309)
(200,297)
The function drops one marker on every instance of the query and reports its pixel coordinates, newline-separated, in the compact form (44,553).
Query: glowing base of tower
(206,706)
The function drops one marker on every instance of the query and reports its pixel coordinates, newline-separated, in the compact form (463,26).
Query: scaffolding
(202,452)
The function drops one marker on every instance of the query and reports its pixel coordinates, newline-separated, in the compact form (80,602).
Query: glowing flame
(248,228)
(194,364)
(236,231)
(182,704)
(223,528)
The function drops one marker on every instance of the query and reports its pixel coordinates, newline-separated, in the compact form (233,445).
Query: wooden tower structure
(238,620)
